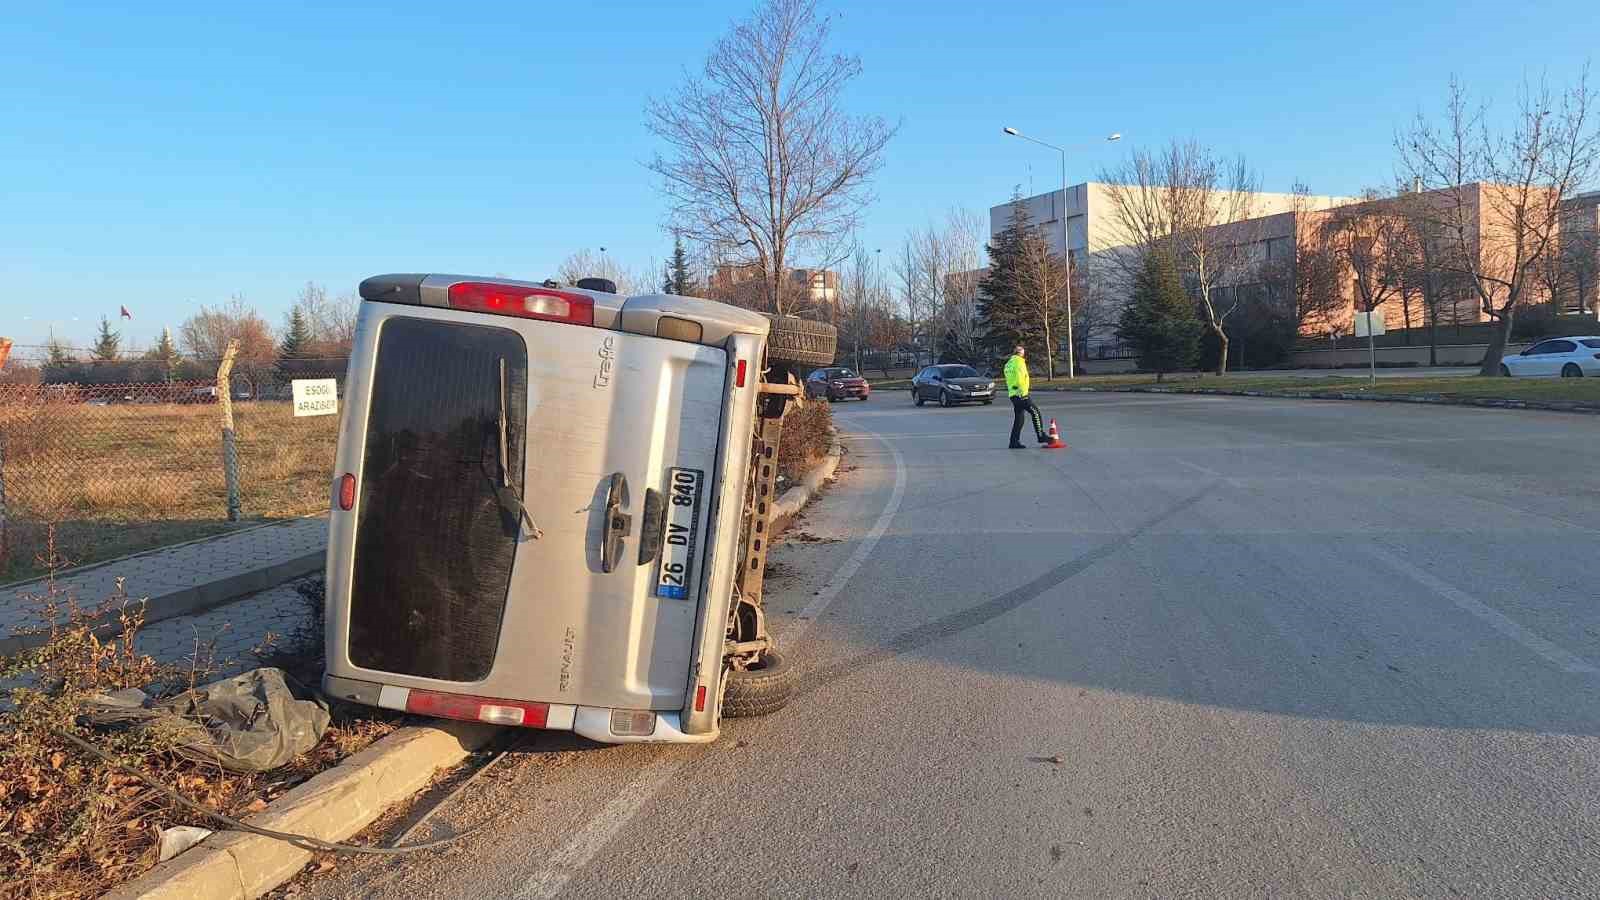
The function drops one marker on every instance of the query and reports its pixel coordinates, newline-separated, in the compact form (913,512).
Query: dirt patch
(806,537)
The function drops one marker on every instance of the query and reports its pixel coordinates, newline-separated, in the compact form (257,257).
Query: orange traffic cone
(1055,439)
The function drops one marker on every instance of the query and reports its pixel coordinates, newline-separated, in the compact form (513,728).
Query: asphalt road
(1219,647)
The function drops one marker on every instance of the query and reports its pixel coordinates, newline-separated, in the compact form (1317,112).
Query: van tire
(801,341)
(758,692)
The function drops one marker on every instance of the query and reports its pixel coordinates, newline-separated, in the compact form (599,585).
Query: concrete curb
(795,498)
(332,806)
(1427,399)
(200,597)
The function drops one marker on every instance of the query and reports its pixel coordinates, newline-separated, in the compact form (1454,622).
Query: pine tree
(107,344)
(1019,301)
(59,356)
(1160,321)
(678,275)
(165,355)
(296,336)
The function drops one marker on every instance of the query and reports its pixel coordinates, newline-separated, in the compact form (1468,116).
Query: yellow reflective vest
(1016,377)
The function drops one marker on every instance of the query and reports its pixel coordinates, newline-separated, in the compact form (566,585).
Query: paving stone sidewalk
(225,636)
(186,579)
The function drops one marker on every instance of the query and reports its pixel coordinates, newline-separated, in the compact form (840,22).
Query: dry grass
(71,826)
(123,478)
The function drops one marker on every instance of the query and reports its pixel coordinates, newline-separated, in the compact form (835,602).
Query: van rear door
(451,587)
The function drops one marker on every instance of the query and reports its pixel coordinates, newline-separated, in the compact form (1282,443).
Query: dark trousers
(1021,406)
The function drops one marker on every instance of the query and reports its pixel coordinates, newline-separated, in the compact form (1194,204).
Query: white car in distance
(1567,357)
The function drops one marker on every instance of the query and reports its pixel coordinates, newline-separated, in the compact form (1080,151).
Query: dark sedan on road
(951,384)
(837,383)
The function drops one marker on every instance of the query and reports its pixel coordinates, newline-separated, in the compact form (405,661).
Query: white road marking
(868,543)
(593,837)
(1226,479)
(1561,659)
(599,831)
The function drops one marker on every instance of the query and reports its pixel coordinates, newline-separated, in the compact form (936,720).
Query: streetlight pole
(1066,238)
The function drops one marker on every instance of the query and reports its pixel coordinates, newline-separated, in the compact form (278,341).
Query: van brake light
(527,302)
(347,491)
(477,709)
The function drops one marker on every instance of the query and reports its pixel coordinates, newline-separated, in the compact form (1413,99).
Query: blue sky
(166,157)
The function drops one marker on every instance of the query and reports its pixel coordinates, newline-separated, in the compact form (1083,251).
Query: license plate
(676,573)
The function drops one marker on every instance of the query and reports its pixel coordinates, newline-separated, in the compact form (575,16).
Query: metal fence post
(230,450)
(5,542)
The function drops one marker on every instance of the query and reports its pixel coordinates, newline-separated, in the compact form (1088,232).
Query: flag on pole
(126,314)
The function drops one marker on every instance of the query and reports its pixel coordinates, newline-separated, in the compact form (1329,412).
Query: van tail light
(347,491)
(527,302)
(700,698)
(477,709)
(738,378)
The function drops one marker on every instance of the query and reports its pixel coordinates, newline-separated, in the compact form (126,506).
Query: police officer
(1017,390)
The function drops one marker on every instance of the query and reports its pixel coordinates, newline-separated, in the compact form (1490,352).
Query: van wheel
(802,341)
(759,691)
(916,397)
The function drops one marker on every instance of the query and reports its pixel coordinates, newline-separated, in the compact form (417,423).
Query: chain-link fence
(119,468)
(285,460)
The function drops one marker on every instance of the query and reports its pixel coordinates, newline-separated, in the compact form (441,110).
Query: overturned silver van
(545,500)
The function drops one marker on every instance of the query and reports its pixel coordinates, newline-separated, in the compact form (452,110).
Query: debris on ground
(252,722)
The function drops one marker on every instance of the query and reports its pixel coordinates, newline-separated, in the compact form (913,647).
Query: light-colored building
(815,288)
(1284,232)
(1092,222)
(1580,253)
(1096,234)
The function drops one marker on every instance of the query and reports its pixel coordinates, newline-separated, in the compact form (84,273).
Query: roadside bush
(70,824)
(805,438)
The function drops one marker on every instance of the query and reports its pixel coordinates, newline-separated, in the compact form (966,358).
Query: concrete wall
(1449,355)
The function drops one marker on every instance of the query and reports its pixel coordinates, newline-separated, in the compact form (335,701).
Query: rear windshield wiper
(510,498)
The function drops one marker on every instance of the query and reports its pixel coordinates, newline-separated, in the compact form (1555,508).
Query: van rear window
(434,541)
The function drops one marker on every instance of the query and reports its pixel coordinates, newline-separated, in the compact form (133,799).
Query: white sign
(316,396)
(1369,323)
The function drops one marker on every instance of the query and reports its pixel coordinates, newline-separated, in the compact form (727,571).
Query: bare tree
(584,264)
(1368,238)
(1306,279)
(939,270)
(1499,196)
(332,321)
(763,161)
(1426,266)
(1176,200)
(961,251)
(1094,307)
(1041,288)
(206,335)
(916,292)
(340,324)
